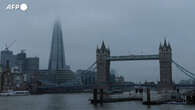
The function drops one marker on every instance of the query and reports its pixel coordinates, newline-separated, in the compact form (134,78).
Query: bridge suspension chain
(193,74)
(90,68)
(185,71)
(94,68)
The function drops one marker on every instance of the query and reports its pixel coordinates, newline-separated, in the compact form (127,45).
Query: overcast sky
(127,26)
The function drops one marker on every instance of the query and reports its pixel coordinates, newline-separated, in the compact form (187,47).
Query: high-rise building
(58,71)
(7,55)
(57,57)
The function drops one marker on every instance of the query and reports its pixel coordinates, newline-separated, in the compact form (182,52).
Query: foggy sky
(126,26)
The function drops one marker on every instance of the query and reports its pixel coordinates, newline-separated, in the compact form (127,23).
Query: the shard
(57,57)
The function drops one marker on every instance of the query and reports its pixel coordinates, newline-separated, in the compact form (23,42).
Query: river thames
(75,102)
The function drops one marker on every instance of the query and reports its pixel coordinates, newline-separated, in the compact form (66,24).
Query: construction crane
(8,46)
(23,50)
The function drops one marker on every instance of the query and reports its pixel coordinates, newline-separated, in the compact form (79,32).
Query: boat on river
(15,93)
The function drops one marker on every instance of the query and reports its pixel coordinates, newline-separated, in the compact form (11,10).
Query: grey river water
(75,102)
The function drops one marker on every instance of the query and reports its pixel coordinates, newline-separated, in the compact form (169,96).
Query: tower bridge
(164,56)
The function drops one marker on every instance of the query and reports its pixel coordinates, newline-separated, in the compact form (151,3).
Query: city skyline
(127,30)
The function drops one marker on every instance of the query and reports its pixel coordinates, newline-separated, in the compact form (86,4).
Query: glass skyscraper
(58,71)
(57,57)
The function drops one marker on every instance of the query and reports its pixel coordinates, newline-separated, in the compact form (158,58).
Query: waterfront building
(7,55)
(119,79)
(1,72)
(6,79)
(26,65)
(12,79)
(31,67)
(190,97)
(86,78)
(43,75)
(64,76)
(20,60)
(1,68)
(19,79)
(146,83)
(112,78)
(187,82)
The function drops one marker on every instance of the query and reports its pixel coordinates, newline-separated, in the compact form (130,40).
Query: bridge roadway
(133,57)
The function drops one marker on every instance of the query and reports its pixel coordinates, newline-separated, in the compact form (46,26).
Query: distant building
(6,79)
(58,71)
(19,79)
(57,55)
(63,76)
(1,72)
(1,68)
(32,64)
(86,78)
(27,65)
(120,79)
(7,55)
(149,83)
(12,79)
(43,75)
(31,67)
(187,82)
(112,78)
(20,61)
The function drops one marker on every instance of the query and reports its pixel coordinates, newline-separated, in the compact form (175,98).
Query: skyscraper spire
(57,57)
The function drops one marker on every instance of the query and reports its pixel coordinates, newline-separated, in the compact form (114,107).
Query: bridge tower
(103,66)
(165,60)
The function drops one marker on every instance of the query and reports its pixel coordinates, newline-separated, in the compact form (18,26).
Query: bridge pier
(95,94)
(101,96)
